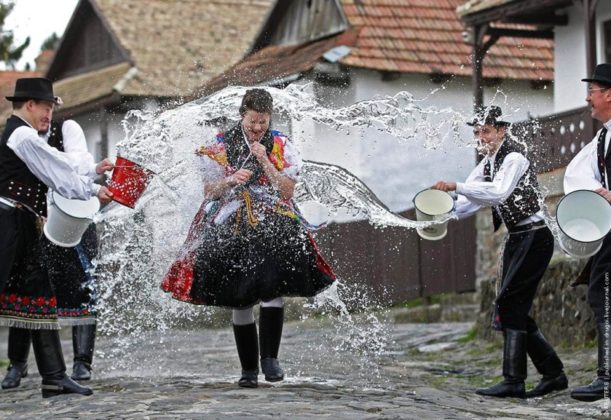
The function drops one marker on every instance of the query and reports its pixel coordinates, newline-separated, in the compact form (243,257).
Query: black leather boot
(271,321)
(83,342)
(548,364)
(248,351)
(50,361)
(514,367)
(18,350)
(596,390)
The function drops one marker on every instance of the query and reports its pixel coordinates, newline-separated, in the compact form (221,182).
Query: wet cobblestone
(424,373)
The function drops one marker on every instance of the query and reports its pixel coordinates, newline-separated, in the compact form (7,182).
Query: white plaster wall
(570,56)
(91,126)
(570,62)
(394,169)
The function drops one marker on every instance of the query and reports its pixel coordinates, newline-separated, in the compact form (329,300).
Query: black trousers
(599,285)
(525,259)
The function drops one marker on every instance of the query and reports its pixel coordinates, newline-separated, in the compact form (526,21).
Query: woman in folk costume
(68,269)
(247,244)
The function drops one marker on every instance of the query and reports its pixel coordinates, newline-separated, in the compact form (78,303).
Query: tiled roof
(473,6)
(275,63)
(7,88)
(407,36)
(177,45)
(421,36)
(85,88)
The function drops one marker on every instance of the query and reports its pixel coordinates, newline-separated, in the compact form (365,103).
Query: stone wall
(561,311)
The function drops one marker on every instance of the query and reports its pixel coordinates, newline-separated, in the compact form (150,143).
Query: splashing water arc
(137,246)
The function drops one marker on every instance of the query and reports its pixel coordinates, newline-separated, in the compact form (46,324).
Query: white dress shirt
(476,192)
(75,146)
(582,173)
(54,168)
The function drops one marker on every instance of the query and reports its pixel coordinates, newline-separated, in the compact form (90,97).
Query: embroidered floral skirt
(28,299)
(70,272)
(240,263)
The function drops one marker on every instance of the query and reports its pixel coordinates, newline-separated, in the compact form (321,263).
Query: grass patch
(470,336)
(415,303)
(590,344)
(4,363)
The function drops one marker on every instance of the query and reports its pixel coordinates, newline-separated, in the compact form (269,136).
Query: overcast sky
(37,19)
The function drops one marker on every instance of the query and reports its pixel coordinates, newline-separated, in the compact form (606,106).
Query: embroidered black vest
(56,137)
(523,201)
(604,162)
(237,151)
(17,182)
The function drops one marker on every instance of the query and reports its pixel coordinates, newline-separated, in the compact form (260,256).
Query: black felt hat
(33,88)
(489,115)
(601,75)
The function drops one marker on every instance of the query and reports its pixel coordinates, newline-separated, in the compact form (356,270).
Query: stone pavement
(412,371)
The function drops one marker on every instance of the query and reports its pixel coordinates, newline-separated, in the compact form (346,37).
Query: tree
(50,43)
(9,54)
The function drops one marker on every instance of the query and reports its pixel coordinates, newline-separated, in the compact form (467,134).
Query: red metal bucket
(128,182)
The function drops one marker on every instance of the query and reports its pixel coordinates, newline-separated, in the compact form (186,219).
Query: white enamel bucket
(584,219)
(433,205)
(68,219)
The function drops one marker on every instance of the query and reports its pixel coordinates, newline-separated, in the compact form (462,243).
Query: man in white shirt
(506,181)
(590,169)
(68,270)
(28,167)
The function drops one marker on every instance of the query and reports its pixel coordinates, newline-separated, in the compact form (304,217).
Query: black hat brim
(28,97)
(606,82)
(495,123)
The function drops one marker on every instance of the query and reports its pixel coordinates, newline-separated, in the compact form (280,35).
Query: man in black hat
(590,169)
(506,181)
(28,167)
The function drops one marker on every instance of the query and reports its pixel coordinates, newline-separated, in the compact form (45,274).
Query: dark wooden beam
(480,48)
(540,20)
(590,31)
(522,33)
(513,9)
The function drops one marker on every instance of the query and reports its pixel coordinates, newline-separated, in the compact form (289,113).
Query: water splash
(137,246)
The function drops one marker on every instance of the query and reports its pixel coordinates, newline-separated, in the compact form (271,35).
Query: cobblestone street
(426,371)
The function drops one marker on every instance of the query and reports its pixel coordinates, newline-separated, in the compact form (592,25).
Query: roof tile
(414,36)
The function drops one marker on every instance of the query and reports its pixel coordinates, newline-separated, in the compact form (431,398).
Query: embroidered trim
(26,304)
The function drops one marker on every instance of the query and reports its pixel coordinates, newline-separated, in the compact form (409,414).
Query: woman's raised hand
(258,150)
(240,177)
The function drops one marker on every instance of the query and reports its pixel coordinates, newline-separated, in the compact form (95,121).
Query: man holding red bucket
(28,167)
(68,269)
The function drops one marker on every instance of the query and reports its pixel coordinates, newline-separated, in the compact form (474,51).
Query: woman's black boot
(248,351)
(271,320)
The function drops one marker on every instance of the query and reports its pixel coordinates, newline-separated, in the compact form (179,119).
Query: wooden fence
(397,264)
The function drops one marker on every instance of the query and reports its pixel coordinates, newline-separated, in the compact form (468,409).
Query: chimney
(44,60)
